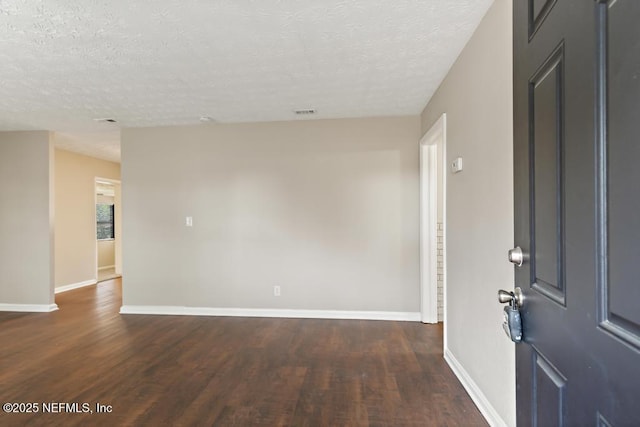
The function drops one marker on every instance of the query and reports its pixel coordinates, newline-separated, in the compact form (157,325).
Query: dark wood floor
(172,370)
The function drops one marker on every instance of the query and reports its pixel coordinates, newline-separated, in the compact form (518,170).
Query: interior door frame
(118,234)
(429,184)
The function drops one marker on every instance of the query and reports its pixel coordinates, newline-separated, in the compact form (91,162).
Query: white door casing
(430,143)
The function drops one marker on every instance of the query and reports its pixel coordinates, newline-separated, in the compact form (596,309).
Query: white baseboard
(106,267)
(258,312)
(66,288)
(478,397)
(29,308)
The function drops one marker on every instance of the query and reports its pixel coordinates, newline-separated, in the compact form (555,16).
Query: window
(104,220)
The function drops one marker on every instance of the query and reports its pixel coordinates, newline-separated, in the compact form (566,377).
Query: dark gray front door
(577,207)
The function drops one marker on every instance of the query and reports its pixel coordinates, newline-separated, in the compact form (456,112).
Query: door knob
(505,297)
(515,298)
(516,256)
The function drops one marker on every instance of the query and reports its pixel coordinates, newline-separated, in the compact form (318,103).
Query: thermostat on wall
(456,165)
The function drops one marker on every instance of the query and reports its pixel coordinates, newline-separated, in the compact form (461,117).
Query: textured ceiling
(65,63)
(103,145)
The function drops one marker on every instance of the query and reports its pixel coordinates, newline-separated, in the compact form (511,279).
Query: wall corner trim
(29,308)
(72,286)
(476,394)
(265,312)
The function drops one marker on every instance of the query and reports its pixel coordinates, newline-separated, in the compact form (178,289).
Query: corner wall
(26,222)
(326,209)
(75,221)
(477,97)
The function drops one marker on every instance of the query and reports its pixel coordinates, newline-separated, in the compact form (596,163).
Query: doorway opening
(433,224)
(108,229)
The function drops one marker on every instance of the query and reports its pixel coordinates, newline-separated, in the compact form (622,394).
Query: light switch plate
(456,165)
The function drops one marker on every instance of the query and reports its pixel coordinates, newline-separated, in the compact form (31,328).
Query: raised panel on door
(538,11)
(546,148)
(549,393)
(619,66)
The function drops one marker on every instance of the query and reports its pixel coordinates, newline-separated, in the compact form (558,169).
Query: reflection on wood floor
(107,274)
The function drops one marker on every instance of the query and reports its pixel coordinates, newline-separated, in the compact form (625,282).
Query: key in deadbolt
(512,323)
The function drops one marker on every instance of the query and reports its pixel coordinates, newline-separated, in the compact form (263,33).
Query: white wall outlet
(456,165)
(276,291)
(189,221)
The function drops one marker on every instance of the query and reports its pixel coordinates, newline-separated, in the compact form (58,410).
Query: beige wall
(26,212)
(109,200)
(326,209)
(75,245)
(106,253)
(477,98)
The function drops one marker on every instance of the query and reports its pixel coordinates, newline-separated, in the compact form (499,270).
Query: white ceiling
(65,63)
(102,144)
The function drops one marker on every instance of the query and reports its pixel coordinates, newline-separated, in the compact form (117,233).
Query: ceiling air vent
(306,112)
